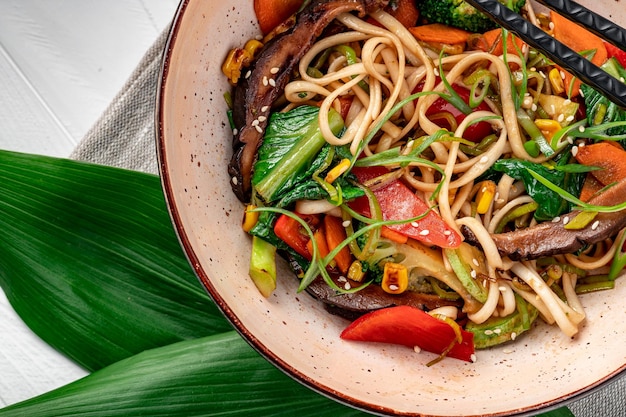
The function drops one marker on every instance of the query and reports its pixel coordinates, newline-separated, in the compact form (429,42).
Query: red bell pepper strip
(293,234)
(398,202)
(476,131)
(410,326)
(614,51)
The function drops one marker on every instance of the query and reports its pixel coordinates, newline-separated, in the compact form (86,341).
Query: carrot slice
(590,188)
(335,234)
(271,13)
(492,41)
(405,11)
(440,33)
(607,156)
(578,39)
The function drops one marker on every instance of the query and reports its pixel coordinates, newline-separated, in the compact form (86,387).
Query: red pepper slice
(410,326)
(293,234)
(398,202)
(614,51)
(475,132)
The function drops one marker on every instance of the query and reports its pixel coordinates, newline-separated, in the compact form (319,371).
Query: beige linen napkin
(124,136)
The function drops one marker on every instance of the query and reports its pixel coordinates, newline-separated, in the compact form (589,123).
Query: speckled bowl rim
(203,275)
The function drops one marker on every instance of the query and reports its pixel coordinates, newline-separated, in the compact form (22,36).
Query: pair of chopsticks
(560,54)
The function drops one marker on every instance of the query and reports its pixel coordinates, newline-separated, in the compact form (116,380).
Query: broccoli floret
(461,14)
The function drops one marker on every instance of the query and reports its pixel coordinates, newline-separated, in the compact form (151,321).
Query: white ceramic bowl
(293,331)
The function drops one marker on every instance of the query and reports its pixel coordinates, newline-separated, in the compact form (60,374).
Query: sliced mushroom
(266,80)
(552,238)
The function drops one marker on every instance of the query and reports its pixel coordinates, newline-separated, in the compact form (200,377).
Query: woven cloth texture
(124,136)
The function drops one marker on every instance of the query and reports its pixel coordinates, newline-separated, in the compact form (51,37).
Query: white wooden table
(61,64)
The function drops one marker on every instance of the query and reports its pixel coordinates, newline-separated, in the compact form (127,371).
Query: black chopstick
(577,65)
(595,23)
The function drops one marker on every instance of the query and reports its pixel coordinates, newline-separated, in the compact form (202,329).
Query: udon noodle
(390,66)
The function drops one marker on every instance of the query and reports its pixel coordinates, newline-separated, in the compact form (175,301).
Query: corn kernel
(484,196)
(548,127)
(337,170)
(249,218)
(252,47)
(355,272)
(238,59)
(556,81)
(395,278)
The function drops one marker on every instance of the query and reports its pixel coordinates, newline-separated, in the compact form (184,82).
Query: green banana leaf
(215,375)
(90,262)
(211,376)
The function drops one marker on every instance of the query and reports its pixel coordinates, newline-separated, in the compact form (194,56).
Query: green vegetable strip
(297,158)
(533,131)
(217,375)
(90,262)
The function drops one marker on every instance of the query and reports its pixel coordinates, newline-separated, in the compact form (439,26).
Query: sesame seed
(569,118)
(342,279)
(347,286)
(513,335)
(565,220)
(560,118)
(346,223)
(533,107)
(258,129)
(562,75)
(581,144)
(414,224)
(417,349)
(248,74)
(581,93)
(473,273)
(473,358)
(567,101)
(436,72)
(425,232)
(502,289)
(484,160)
(265,82)
(552,108)
(262,118)
(475,261)
(542,74)
(393,287)
(574,150)
(581,129)
(595,225)
(265,108)
(570,140)
(235,131)
(272,82)
(255,122)
(447,232)
(234,180)
(556,219)
(551,25)
(275,70)
(533,69)
(507,351)
(497,331)
(488,332)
